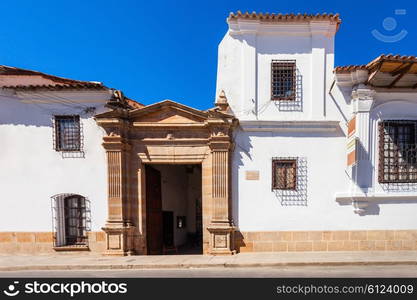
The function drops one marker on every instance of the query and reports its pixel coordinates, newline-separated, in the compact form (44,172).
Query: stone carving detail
(170,135)
(114,241)
(220,131)
(221,101)
(114,176)
(220,241)
(113,131)
(220,174)
(363,93)
(205,141)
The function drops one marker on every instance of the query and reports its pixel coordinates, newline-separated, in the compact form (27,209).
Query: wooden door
(153,211)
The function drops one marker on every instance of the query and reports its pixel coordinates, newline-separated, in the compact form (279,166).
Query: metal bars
(71,219)
(397,152)
(284,174)
(283,80)
(67,133)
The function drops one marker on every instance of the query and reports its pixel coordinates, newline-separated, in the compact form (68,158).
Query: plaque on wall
(252,175)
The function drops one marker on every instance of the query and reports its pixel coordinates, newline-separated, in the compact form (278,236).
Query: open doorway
(174,209)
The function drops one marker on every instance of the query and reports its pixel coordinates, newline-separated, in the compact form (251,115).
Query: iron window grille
(397,152)
(283,80)
(71,220)
(284,174)
(67,133)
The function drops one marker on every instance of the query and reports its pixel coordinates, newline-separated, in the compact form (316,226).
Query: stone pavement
(264,259)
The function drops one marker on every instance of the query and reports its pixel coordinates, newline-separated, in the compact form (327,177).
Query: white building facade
(296,155)
(51,154)
(303,181)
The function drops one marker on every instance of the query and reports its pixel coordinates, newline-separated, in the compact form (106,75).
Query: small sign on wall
(252,175)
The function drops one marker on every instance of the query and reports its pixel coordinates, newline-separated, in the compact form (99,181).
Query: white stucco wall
(244,70)
(31,171)
(275,129)
(257,208)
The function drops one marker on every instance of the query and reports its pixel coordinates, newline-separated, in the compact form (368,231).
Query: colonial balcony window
(397,152)
(283,80)
(284,174)
(67,133)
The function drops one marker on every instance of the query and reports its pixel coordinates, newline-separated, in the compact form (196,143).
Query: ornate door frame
(166,133)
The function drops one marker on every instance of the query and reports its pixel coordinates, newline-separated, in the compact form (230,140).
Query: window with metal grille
(283,80)
(75,220)
(71,220)
(397,152)
(67,131)
(284,174)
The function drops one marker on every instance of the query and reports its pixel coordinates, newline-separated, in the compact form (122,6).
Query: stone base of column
(221,238)
(118,239)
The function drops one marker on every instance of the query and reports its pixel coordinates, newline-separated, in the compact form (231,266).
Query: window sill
(282,99)
(72,248)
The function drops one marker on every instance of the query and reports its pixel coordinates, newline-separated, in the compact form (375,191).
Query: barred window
(67,131)
(71,219)
(75,220)
(397,152)
(284,174)
(283,80)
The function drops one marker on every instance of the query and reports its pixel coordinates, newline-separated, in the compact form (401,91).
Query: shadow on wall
(293,105)
(360,172)
(297,197)
(373,208)
(243,149)
(284,45)
(239,241)
(15,111)
(399,187)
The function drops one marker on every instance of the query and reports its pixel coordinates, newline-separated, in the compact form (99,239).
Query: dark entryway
(174,210)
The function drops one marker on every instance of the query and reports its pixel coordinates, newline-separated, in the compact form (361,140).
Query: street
(259,272)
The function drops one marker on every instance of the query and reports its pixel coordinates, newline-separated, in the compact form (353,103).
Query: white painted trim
(289,126)
(307,28)
(360,201)
(347,198)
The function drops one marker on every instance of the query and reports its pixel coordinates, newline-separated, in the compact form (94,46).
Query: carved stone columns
(118,227)
(221,227)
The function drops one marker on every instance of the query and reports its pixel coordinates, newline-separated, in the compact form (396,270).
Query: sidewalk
(265,259)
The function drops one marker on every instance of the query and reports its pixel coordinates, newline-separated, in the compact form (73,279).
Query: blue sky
(155,50)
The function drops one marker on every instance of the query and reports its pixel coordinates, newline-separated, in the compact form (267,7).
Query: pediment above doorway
(166,114)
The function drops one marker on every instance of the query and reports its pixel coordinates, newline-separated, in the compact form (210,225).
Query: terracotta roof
(267,17)
(16,78)
(388,71)
(349,68)
(382,58)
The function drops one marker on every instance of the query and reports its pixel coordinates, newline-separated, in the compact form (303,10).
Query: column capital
(115,143)
(362,98)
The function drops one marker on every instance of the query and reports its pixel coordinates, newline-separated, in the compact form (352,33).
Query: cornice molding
(289,126)
(241,27)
